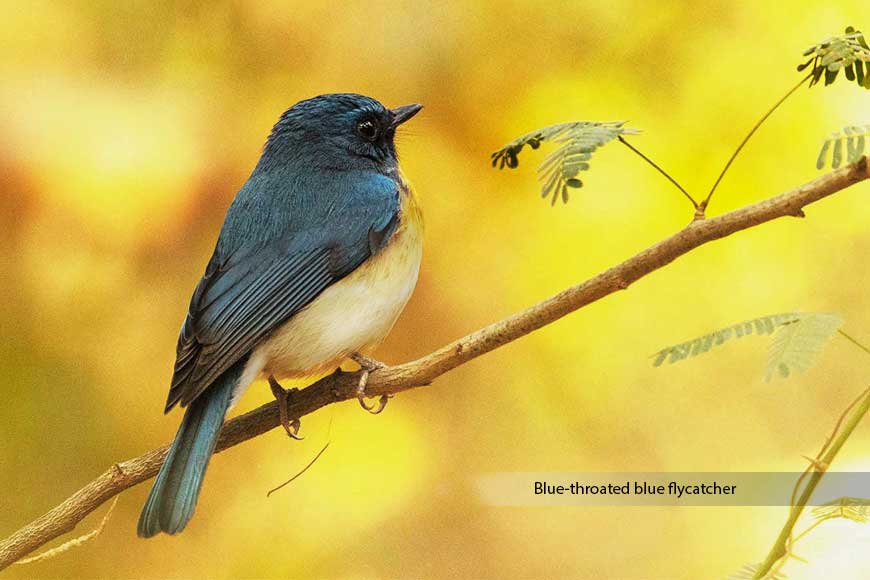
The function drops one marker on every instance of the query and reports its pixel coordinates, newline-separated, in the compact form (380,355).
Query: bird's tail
(172,500)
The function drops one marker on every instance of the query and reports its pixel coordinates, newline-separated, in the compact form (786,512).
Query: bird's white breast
(353,315)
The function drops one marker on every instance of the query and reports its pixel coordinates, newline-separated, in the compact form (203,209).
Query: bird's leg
(281,395)
(368,365)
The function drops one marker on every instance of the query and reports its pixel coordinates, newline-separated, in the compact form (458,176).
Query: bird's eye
(367,130)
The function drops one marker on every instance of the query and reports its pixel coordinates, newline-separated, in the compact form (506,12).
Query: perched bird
(317,257)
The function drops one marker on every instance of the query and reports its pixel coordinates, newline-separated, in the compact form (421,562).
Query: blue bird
(317,257)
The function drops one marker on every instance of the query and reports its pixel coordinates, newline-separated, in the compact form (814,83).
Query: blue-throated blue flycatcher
(318,254)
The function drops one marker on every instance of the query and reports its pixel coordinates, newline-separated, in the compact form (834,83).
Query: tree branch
(818,468)
(335,388)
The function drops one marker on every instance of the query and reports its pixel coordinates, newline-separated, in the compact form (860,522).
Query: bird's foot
(282,395)
(367,366)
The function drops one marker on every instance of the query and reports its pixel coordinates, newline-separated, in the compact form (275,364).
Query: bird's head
(338,131)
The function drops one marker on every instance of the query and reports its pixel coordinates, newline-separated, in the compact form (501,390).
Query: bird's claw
(368,365)
(292,429)
(361,395)
(282,395)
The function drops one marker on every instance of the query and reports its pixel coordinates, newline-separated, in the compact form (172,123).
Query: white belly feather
(353,315)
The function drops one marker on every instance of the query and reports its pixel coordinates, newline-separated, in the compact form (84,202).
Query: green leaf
(761,326)
(847,52)
(856,509)
(854,143)
(798,338)
(797,344)
(851,140)
(820,162)
(817,74)
(837,156)
(576,141)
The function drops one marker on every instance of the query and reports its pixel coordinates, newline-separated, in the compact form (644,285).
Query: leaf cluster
(851,141)
(576,141)
(691,348)
(847,52)
(798,339)
(856,509)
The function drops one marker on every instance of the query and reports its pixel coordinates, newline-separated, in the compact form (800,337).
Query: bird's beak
(402,114)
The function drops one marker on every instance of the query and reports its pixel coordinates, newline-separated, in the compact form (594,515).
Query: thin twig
(782,545)
(341,387)
(854,341)
(75,542)
(810,528)
(304,469)
(812,463)
(775,571)
(706,201)
(659,169)
(836,426)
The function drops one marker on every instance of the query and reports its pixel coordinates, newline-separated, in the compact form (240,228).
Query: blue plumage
(172,500)
(325,197)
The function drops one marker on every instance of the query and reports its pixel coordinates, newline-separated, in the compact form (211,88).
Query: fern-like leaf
(856,509)
(851,140)
(846,52)
(760,326)
(798,340)
(576,141)
(797,344)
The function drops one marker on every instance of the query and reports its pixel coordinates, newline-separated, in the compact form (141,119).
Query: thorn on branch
(817,464)
(700,211)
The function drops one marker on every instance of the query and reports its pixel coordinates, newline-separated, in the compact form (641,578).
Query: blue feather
(173,498)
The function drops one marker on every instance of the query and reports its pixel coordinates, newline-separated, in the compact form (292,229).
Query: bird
(318,255)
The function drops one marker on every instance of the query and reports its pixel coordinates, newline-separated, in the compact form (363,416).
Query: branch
(423,371)
(746,139)
(664,173)
(820,465)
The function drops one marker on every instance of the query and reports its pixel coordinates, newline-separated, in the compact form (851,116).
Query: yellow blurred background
(126,129)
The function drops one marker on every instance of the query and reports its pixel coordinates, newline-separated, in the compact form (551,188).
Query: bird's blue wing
(251,291)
